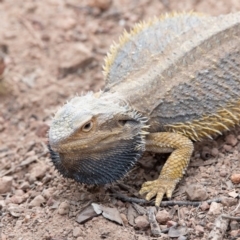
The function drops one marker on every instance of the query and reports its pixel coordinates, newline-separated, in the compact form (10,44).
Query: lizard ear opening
(122,122)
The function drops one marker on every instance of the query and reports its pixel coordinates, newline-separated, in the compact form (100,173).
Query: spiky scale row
(126,37)
(211,125)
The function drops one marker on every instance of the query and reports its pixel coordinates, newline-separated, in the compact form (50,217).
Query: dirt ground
(50,51)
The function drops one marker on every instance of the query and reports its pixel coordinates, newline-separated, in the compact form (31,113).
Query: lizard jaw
(101,168)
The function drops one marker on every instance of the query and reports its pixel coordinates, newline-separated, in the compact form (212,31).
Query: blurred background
(50,50)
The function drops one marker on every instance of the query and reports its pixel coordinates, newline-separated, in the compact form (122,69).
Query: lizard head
(95,141)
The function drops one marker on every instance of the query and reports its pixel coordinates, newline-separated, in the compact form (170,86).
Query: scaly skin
(175,166)
(170,81)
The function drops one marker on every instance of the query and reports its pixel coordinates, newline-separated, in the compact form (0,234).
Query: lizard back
(182,73)
(145,40)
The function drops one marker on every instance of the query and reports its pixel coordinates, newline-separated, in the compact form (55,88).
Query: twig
(155,229)
(163,203)
(231,217)
(124,186)
(128,188)
(188,203)
(129,199)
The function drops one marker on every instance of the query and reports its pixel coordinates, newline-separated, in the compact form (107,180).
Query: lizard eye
(87,126)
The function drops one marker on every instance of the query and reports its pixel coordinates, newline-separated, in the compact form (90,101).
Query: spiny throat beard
(101,168)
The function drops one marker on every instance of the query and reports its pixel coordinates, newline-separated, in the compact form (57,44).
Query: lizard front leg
(175,166)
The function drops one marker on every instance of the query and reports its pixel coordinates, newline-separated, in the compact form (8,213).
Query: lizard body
(170,81)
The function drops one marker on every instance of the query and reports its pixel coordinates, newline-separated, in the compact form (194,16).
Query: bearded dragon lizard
(170,81)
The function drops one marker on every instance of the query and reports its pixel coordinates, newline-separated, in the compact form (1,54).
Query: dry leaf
(109,213)
(86,214)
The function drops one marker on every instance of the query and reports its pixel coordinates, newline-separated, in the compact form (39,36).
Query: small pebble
(204,206)
(235,178)
(234,225)
(196,192)
(215,208)
(37,201)
(171,224)
(48,192)
(162,216)
(141,222)
(64,208)
(231,140)
(77,231)
(5,184)
(227,148)
(25,186)
(229,202)
(124,218)
(223,173)
(17,199)
(38,171)
(199,228)
(214,152)
(27,218)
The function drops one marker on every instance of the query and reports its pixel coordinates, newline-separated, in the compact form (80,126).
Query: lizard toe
(147,187)
(159,197)
(170,189)
(158,188)
(152,194)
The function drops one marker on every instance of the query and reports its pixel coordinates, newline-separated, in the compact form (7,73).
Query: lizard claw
(158,188)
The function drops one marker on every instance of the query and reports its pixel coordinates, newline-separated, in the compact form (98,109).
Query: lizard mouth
(101,168)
